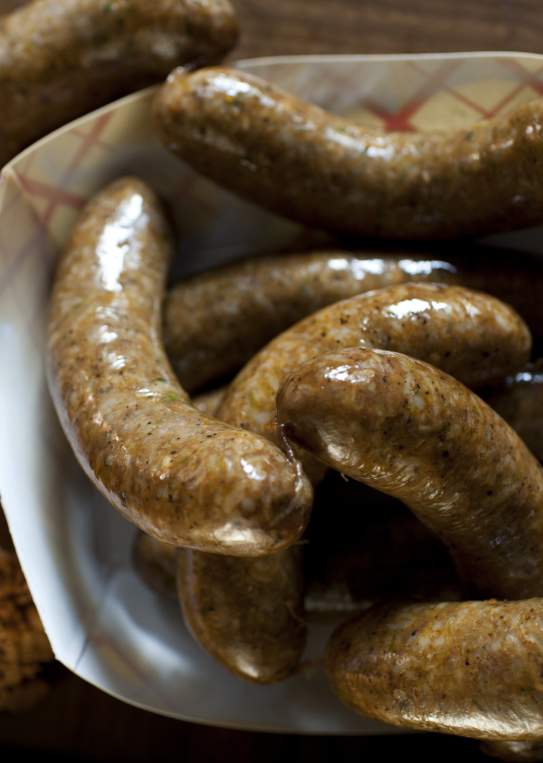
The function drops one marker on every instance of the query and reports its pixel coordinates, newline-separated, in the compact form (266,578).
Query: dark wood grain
(80,721)
(388,26)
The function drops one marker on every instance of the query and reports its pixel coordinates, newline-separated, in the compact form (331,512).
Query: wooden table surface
(80,721)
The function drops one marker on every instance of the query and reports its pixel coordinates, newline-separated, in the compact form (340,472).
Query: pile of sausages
(348,382)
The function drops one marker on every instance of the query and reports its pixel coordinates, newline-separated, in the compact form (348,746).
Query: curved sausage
(470,668)
(520,402)
(177,474)
(468,334)
(156,564)
(424,319)
(214,322)
(59,60)
(409,430)
(248,613)
(325,171)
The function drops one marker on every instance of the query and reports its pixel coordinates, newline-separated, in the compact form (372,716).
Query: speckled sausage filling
(59,60)
(215,321)
(403,427)
(247,613)
(295,159)
(179,475)
(471,668)
(473,334)
(470,335)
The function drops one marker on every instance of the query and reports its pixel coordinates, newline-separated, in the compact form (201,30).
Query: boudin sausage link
(214,322)
(247,613)
(471,668)
(405,428)
(468,334)
(325,171)
(179,475)
(425,319)
(59,60)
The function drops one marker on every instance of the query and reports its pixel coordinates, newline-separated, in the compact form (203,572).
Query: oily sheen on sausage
(408,429)
(325,171)
(179,475)
(471,668)
(59,60)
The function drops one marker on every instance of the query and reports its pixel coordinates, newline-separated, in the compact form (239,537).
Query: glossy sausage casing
(215,321)
(181,476)
(59,60)
(471,668)
(409,430)
(468,334)
(324,171)
(247,613)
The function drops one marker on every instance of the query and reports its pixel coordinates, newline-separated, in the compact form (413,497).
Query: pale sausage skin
(471,668)
(405,428)
(59,60)
(180,476)
(324,171)
(468,334)
(214,322)
(247,613)
(520,402)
